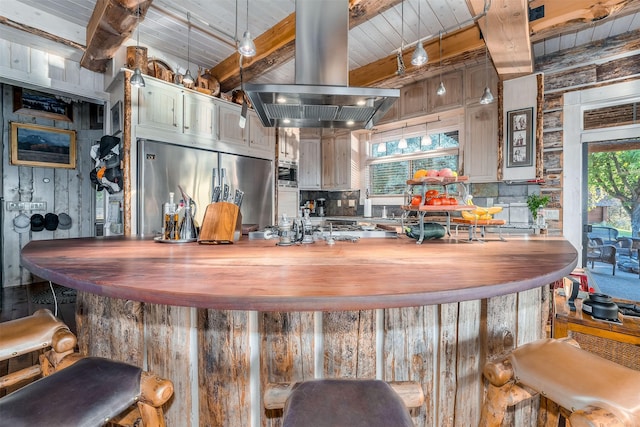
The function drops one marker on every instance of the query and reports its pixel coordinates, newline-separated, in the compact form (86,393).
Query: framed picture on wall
(520,138)
(116,118)
(33,103)
(43,146)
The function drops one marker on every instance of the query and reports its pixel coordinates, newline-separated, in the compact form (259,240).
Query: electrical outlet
(339,203)
(352,203)
(552,214)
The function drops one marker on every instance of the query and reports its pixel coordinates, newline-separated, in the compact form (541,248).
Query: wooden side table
(617,342)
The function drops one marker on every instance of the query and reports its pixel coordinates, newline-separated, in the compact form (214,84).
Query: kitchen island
(222,321)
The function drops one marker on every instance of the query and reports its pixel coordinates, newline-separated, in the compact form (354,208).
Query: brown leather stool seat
(593,390)
(345,403)
(87,393)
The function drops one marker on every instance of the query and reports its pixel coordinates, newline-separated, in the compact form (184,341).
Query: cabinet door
(160,106)
(336,162)
(452,97)
(328,167)
(230,130)
(413,100)
(481,144)
(342,161)
(310,169)
(260,137)
(199,115)
(288,143)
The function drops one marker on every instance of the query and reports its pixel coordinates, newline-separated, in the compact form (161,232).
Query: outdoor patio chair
(599,252)
(625,246)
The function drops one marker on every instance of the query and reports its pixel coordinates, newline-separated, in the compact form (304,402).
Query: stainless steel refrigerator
(162,167)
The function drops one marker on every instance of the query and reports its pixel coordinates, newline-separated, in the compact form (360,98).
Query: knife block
(222,223)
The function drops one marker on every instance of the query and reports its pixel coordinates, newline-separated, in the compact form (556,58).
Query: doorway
(577,135)
(612,194)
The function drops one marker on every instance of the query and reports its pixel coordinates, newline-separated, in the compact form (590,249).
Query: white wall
(520,93)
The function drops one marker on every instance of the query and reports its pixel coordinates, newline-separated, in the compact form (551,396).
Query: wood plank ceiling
(378,28)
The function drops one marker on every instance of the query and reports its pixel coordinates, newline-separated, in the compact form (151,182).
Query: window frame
(410,132)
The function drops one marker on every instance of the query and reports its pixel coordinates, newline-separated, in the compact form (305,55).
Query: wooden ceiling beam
(506,32)
(562,16)
(277,45)
(112,22)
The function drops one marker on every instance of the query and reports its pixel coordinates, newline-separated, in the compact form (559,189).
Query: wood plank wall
(443,347)
(583,67)
(66,190)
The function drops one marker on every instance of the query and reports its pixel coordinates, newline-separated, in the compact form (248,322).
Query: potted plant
(535,202)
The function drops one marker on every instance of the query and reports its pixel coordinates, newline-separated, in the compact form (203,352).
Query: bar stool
(587,389)
(345,402)
(90,392)
(40,331)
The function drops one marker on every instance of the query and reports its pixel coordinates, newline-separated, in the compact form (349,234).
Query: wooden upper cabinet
(160,106)
(453,96)
(199,115)
(260,137)
(288,144)
(476,80)
(413,100)
(230,130)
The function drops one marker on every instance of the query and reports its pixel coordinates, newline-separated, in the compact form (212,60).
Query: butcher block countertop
(258,275)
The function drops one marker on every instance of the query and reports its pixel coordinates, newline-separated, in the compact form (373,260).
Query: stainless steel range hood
(321,97)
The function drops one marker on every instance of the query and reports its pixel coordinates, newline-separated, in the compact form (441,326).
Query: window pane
(440,140)
(389,178)
(436,163)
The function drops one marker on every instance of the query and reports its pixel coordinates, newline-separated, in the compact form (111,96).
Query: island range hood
(321,97)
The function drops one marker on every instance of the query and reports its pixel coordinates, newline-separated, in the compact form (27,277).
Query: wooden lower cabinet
(230,353)
(617,342)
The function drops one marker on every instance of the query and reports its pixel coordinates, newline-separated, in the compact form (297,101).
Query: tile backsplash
(337,203)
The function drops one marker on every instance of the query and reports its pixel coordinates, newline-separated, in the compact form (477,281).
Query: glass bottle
(170,219)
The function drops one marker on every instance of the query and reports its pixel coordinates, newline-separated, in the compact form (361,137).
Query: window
(390,166)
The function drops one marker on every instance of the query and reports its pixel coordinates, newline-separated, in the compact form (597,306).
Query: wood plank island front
(223,321)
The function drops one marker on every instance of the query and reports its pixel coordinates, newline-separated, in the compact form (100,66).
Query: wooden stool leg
(549,413)
(496,402)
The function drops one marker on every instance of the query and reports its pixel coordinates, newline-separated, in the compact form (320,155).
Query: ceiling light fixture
(441,89)
(403,142)
(426,139)
(382,147)
(420,56)
(247,47)
(487,96)
(188,78)
(137,80)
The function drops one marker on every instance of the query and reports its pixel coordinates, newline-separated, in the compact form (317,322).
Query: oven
(287,174)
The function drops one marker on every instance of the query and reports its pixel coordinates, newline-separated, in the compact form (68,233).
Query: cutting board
(222,223)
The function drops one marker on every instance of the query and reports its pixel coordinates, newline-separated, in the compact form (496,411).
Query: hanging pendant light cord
(188,40)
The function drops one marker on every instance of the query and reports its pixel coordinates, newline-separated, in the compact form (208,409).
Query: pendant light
(487,96)
(426,139)
(402,144)
(247,47)
(420,56)
(137,80)
(188,78)
(401,68)
(441,89)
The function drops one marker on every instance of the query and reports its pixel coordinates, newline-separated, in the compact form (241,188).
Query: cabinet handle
(186,127)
